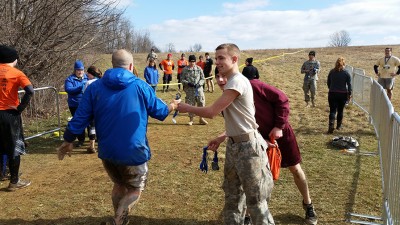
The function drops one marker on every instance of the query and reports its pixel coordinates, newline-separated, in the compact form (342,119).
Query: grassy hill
(77,190)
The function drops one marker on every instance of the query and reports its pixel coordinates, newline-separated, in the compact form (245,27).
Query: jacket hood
(118,78)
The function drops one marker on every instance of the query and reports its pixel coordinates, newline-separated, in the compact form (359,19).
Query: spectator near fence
(339,84)
(74,86)
(310,68)
(11,132)
(121,129)
(386,69)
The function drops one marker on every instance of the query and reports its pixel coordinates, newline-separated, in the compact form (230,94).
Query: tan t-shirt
(239,115)
(387,66)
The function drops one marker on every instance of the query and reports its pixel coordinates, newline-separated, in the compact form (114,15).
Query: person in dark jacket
(250,71)
(120,104)
(12,138)
(74,86)
(339,84)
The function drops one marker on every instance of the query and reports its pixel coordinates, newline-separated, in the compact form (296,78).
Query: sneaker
(203,121)
(91,150)
(247,220)
(79,144)
(190,123)
(20,184)
(311,216)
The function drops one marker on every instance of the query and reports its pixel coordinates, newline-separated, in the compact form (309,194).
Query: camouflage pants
(247,181)
(194,100)
(309,87)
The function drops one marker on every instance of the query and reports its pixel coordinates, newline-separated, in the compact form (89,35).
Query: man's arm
(303,68)
(161,67)
(26,99)
(376,69)
(228,96)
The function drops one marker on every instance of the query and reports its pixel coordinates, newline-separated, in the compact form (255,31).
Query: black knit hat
(249,60)
(192,58)
(8,54)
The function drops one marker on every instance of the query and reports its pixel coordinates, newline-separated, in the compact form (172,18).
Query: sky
(263,24)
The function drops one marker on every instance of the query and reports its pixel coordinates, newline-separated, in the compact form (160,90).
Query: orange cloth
(167,66)
(10,80)
(202,64)
(182,62)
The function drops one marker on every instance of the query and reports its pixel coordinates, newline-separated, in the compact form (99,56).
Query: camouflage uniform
(248,181)
(310,78)
(193,76)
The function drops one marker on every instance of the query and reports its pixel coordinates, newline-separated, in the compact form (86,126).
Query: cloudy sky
(264,24)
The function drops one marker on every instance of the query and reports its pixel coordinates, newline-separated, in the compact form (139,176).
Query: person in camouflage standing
(247,174)
(192,79)
(310,68)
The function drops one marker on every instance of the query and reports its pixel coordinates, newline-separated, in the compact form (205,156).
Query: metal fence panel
(361,85)
(44,106)
(392,193)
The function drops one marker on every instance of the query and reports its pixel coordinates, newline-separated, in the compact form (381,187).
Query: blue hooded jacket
(151,75)
(74,87)
(120,104)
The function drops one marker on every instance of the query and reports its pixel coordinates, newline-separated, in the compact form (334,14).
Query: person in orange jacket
(167,66)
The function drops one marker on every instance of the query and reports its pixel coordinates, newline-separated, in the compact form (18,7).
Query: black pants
(81,137)
(11,141)
(337,101)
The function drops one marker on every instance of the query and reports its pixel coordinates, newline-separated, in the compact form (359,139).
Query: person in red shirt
(167,66)
(12,139)
(201,62)
(182,63)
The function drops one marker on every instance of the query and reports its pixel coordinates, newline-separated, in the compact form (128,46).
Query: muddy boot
(331,127)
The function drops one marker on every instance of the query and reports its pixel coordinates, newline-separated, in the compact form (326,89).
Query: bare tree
(170,47)
(197,47)
(51,34)
(340,39)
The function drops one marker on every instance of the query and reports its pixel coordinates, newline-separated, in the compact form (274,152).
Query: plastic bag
(274,158)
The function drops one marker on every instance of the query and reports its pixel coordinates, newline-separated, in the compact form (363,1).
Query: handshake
(193,85)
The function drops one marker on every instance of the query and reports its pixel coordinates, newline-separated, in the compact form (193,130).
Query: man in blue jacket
(74,85)
(120,104)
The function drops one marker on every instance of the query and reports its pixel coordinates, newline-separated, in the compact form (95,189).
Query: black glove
(190,85)
(197,85)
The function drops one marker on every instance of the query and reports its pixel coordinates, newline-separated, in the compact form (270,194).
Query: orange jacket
(182,63)
(10,80)
(167,65)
